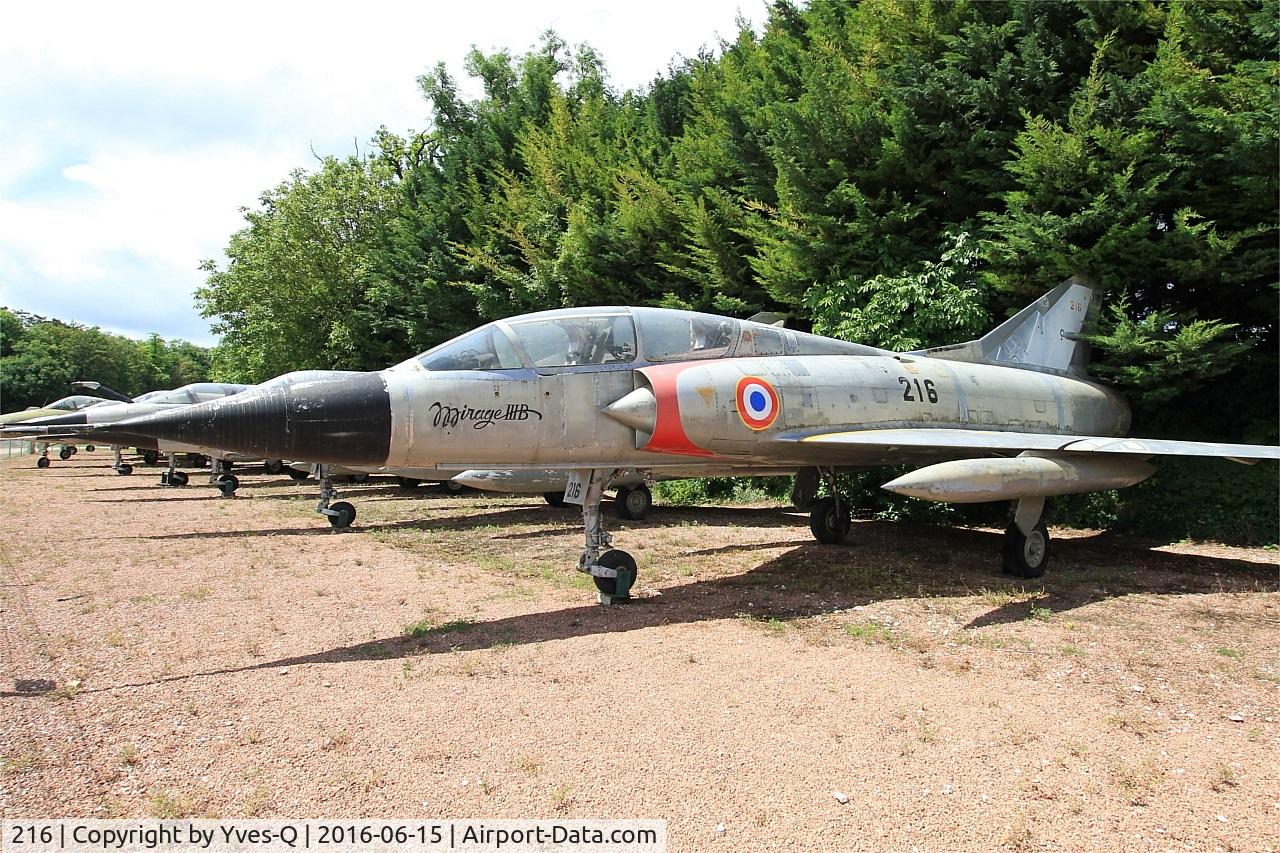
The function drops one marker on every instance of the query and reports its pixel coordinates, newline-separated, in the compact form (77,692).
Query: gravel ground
(169,652)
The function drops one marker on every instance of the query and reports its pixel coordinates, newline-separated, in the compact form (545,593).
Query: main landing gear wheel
(1026,555)
(633,502)
(625,565)
(174,478)
(343,514)
(273,466)
(151,457)
(829,521)
(89,448)
(555,499)
(124,470)
(454,488)
(227,484)
(295,474)
(408,482)
(65,453)
(42,462)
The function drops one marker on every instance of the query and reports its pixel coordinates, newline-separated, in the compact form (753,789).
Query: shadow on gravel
(885,561)
(550,522)
(521,515)
(163,499)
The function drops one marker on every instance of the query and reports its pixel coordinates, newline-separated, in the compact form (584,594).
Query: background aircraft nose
(311,416)
(57,420)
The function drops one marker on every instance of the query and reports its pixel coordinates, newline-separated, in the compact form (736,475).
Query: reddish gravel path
(170,652)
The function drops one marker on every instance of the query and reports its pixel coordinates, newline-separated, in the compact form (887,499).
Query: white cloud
(135,132)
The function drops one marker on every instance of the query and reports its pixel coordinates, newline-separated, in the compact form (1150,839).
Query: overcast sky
(131,134)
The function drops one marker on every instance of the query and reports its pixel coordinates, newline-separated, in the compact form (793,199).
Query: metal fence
(16,447)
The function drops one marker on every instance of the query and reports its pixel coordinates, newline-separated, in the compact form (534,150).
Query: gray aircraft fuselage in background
(1011,416)
(101,418)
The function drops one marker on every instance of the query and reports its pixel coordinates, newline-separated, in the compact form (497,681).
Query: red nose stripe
(668,432)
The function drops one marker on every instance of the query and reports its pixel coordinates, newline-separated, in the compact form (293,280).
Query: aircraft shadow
(164,499)
(809,579)
(140,487)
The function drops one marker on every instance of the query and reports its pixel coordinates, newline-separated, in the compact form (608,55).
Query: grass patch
(1004,595)
(426,628)
(162,804)
(1223,778)
(1229,653)
(19,763)
(869,632)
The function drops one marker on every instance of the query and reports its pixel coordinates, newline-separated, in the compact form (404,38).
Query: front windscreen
(487,348)
(573,340)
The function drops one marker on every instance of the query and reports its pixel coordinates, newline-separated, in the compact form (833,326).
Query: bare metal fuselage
(528,418)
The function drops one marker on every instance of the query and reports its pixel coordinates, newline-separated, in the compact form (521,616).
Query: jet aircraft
(63,406)
(1012,416)
(96,422)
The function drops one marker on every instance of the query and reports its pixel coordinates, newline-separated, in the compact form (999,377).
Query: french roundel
(757,402)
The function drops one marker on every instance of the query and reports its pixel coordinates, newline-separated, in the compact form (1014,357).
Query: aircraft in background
(1011,416)
(103,416)
(63,406)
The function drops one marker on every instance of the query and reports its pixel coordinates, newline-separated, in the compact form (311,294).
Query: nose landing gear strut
(613,570)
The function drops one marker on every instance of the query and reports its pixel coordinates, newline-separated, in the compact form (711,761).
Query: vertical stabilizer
(1045,334)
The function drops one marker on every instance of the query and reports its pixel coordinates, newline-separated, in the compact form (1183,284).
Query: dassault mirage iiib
(1009,417)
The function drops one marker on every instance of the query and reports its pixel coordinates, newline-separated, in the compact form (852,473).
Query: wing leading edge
(992,441)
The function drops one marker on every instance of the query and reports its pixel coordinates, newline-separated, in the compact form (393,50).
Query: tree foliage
(39,358)
(822,167)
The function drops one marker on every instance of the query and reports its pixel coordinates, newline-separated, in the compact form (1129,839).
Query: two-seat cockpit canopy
(197,392)
(74,403)
(575,337)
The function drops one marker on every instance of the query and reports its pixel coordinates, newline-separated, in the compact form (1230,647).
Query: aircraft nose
(310,416)
(73,419)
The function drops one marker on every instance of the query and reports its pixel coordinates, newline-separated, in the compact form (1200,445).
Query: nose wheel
(42,462)
(223,481)
(172,476)
(623,565)
(341,514)
(227,484)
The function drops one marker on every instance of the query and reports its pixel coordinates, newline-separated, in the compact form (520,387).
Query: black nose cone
(310,416)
